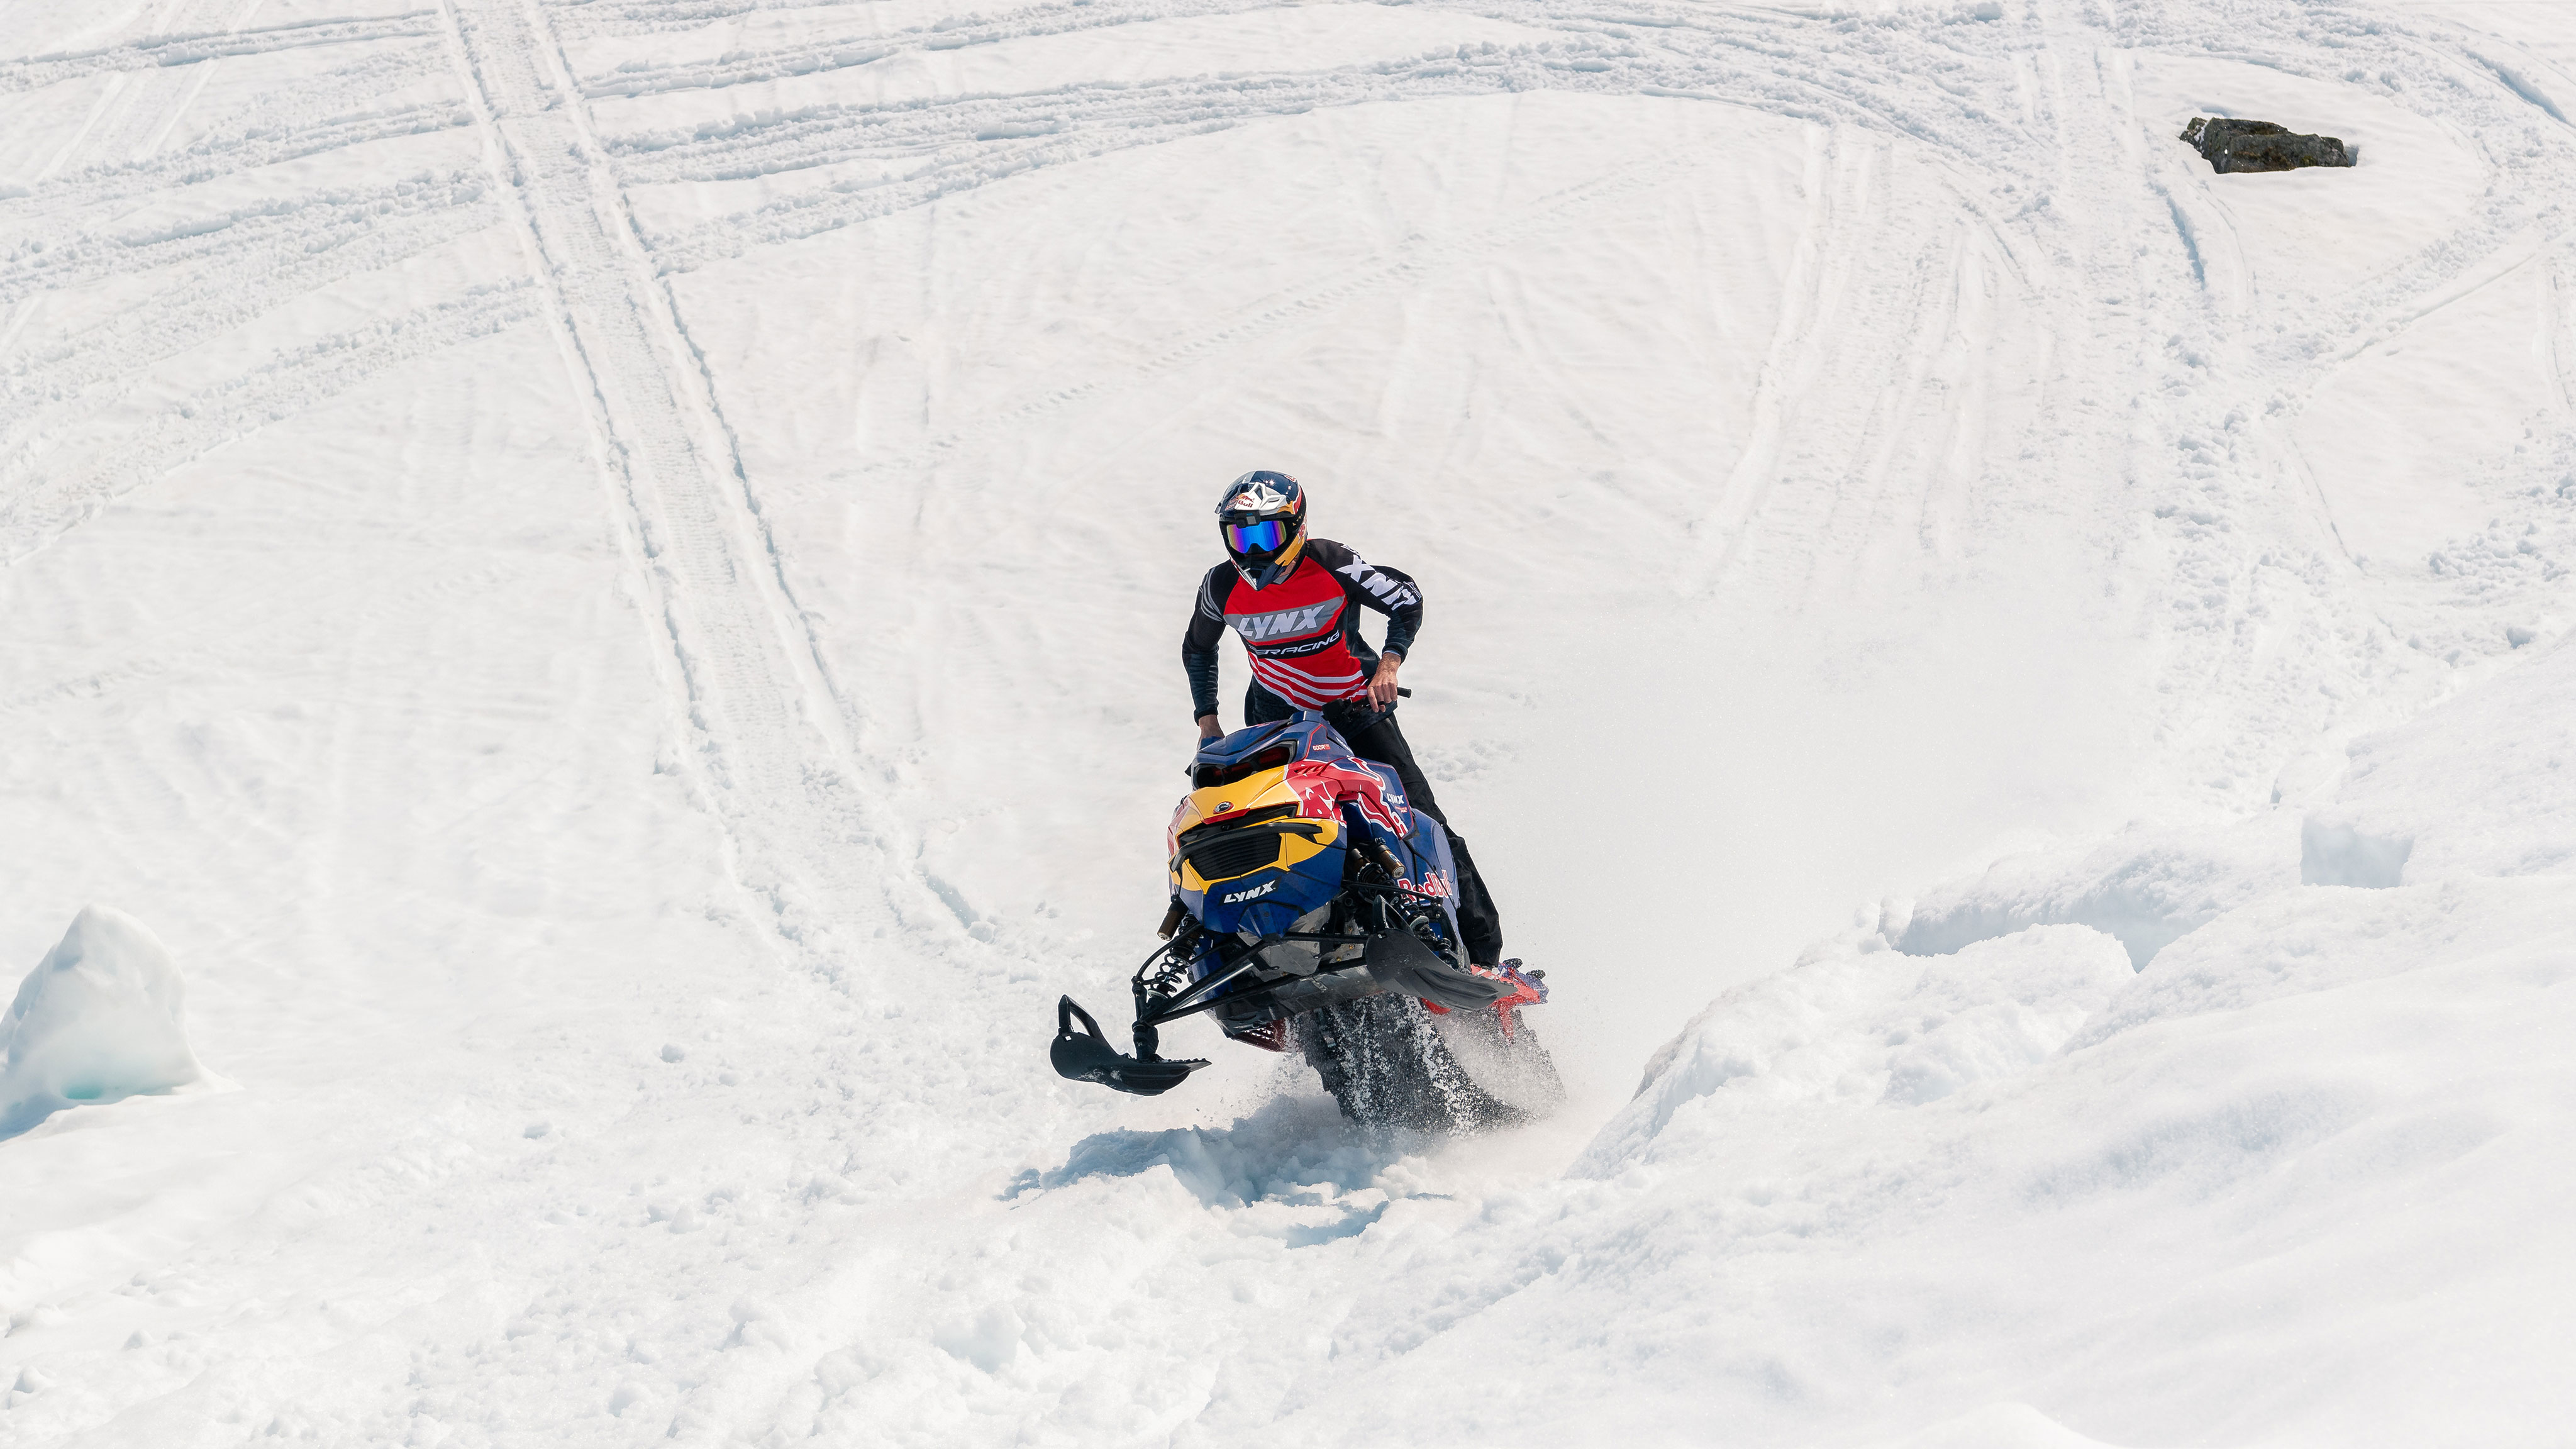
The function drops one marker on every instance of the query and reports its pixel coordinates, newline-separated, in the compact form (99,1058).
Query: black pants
(1373,735)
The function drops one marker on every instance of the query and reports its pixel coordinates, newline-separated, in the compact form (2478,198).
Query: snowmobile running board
(1400,962)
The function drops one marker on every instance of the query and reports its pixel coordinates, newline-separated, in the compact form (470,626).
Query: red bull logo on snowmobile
(1323,786)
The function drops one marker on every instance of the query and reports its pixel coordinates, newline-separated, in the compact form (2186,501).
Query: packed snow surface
(609,575)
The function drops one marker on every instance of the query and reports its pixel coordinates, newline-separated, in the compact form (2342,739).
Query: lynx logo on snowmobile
(1255,627)
(1263,889)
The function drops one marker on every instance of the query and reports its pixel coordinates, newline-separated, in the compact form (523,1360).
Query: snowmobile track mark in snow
(1837,186)
(90,371)
(66,492)
(84,199)
(769,735)
(138,107)
(38,71)
(948,145)
(1311,304)
(724,631)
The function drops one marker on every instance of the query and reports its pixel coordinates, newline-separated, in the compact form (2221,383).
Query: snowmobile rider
(1292,599)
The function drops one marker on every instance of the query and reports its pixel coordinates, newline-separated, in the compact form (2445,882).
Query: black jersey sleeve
(1391,592)
(1198,645)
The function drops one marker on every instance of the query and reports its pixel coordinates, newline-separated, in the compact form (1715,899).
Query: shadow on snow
(1291,1153)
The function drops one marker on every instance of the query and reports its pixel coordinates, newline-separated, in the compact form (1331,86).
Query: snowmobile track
(684,495)
(771,740)
(75,482)
(181,49)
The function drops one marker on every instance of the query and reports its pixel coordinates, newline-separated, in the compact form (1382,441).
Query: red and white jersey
(1302,632)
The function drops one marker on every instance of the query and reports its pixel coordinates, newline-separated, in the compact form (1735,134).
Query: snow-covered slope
(605,577)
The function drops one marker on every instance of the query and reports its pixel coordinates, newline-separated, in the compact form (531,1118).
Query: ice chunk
(98,1019)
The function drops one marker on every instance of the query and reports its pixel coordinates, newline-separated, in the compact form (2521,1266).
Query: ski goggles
(1262,537)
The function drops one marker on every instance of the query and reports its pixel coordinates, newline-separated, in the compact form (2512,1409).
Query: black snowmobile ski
(1087,1056)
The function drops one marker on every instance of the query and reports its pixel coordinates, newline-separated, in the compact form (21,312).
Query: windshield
(1202,776)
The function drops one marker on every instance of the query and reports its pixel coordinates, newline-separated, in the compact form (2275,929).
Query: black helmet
(1262,516)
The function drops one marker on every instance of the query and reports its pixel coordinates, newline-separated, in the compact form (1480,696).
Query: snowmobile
(1313,907)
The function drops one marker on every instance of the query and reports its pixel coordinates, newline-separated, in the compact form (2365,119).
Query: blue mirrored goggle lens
(1260,537)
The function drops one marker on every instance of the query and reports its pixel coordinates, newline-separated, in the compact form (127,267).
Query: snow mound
(2301,943)
(2148,887)
(2246,1168)
(1855,1023)
(2483,785)
(98,1019)
(2243,1167)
